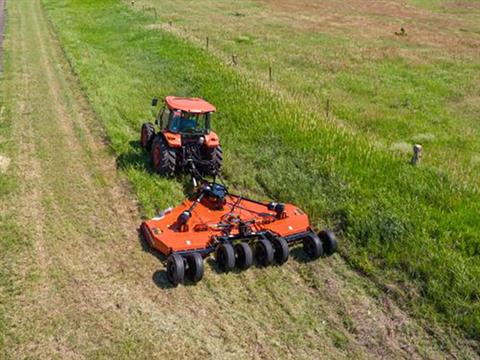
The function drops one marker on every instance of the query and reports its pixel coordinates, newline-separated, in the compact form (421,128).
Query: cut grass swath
(397,222)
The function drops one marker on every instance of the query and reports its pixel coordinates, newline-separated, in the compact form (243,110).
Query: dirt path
(84,286)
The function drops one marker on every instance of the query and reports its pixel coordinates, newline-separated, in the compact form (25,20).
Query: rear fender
(173,140)
(212,140)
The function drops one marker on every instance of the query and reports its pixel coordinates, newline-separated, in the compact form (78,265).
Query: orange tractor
(237,229)
(185,139)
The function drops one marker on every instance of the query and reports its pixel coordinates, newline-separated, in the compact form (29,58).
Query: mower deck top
(237,218)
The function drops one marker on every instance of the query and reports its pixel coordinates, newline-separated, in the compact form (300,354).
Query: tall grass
(398,90)
(414,226)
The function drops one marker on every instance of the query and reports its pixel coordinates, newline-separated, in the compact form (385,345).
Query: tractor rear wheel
(194,267)
(329,242)
(243,256)
(280,250)
(313,247)
(146,136)
(175,269)
(264,252)
(163,157)
(215,159)
(225,256)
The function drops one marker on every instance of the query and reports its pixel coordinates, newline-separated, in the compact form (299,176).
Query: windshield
(182,122)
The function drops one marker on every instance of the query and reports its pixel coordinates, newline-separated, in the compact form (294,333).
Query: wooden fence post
(417,154)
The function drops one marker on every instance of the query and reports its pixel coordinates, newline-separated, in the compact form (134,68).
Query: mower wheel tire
(147,135)
(280,250)
(164,158)
(243,255)
(264,252)
(329,242)
(194,267)
(313,247)
(175,269)
(225,256)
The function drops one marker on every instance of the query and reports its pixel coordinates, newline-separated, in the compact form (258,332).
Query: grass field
(75,280)
(423,87)
(416,228)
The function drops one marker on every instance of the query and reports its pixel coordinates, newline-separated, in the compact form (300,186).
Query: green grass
(11,236)
(396,90)
(411,225)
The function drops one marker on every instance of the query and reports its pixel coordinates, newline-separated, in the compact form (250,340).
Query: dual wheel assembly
(265,251)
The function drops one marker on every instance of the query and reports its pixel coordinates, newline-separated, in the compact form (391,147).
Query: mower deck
(214,220)
(208,226)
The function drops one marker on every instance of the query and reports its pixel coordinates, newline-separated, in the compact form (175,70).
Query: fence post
(270,73)
(327,108)
(207,40)
(417,154)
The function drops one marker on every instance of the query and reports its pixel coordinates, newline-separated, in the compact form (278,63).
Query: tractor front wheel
(163,157)
(195,267)
(175,269)
(147,135)
(215,160)
(225,256)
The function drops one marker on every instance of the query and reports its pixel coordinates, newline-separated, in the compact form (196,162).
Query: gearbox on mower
(184,138)
(237,229)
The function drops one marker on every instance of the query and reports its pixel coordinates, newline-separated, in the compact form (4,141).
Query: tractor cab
(185,116)
(185,139)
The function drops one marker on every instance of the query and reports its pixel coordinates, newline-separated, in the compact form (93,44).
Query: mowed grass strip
(396,222)
(12,237)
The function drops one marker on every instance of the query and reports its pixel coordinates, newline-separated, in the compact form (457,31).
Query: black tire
(313,247)
(215,158)
(225,256)
(243,256)
(175,269)
(147,134)
(264,252)
(163,157)
(280,250)
(194,267)
(329,242)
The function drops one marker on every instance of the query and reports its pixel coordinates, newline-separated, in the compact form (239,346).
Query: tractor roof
(192,105)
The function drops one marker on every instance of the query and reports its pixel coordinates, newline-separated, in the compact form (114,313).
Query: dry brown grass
(371,20)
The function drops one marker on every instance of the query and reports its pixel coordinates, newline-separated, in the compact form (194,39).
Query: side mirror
(154,102)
